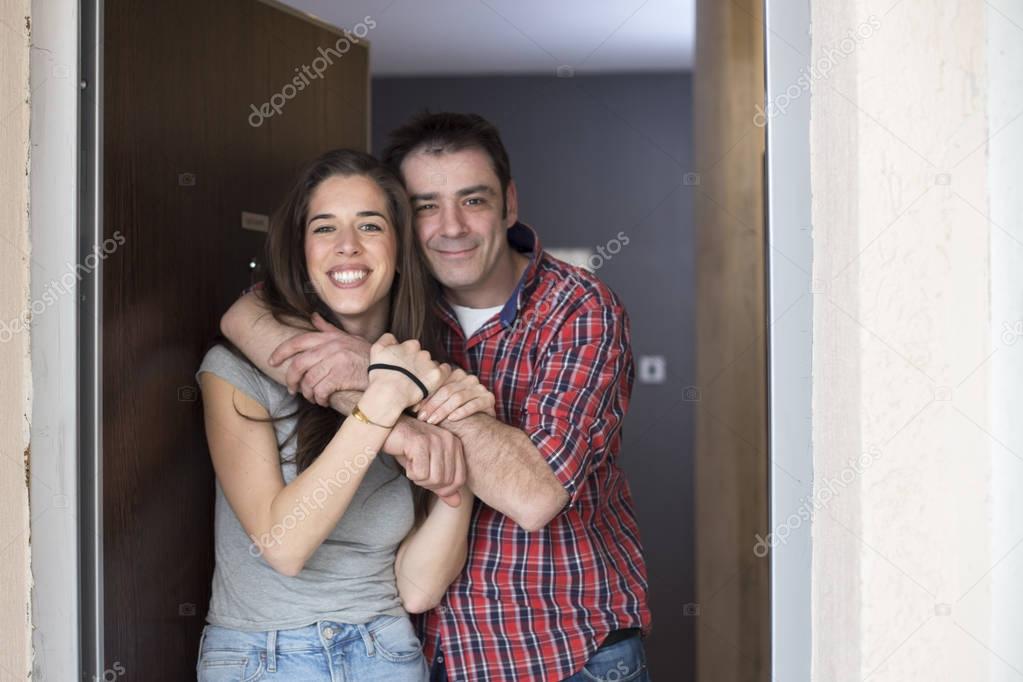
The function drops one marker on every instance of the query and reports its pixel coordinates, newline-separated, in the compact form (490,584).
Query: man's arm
(569,421)
(315,362)
(507,471)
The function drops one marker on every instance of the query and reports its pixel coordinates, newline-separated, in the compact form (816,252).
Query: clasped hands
(327,360)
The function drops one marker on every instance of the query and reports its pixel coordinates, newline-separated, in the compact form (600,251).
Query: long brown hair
(289,294)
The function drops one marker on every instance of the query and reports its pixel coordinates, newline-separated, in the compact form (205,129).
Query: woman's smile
(348,277)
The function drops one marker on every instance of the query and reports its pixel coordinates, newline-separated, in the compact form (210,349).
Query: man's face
(457,207)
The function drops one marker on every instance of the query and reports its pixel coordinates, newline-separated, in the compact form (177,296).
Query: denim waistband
(324,634)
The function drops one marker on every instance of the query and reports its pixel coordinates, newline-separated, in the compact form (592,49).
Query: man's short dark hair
(450,132)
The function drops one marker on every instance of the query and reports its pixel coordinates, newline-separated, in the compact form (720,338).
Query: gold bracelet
(361,416)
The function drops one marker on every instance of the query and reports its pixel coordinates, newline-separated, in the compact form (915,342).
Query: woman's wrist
(381,404)
(466,499)
(394,387)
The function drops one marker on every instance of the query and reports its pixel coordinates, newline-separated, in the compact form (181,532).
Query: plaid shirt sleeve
(580,392)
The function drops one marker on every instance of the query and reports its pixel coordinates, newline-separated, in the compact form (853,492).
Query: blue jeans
(385,649)
(623,661)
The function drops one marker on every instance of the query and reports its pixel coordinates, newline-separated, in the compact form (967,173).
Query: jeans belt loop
(271,651)
(367,639)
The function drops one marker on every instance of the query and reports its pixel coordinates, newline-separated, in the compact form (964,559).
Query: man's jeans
(624,661)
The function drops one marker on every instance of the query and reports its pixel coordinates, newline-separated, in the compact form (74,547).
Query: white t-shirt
(472,319)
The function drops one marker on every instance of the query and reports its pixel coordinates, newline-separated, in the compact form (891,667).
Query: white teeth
(348,276)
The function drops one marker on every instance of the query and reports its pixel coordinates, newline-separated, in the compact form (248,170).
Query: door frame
(789,272)
(62,149)
(90,329)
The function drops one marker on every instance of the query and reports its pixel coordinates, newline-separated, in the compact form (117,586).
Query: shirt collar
(523,239)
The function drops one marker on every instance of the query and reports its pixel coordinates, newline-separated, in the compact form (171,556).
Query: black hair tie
(410,375)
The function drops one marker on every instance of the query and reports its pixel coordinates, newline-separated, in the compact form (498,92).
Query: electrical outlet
(653,369)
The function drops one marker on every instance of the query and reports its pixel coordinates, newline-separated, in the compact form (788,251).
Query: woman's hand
(410,356)
(460,396)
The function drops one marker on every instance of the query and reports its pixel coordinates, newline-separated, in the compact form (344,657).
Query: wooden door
(732,579)
(183,157)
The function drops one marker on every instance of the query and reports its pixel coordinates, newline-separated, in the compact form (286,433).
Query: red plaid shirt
(535,606)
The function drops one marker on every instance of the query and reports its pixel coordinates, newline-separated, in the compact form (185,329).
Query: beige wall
(15,616)
(902,344)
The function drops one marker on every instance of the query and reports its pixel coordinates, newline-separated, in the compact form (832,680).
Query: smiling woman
(327,579)
(351,252)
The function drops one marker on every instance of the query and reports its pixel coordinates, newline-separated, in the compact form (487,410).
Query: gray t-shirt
(350,577)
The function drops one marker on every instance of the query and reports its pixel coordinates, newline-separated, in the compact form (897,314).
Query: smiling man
(555,580)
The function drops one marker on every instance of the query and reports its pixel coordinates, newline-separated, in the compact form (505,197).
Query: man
(554,581)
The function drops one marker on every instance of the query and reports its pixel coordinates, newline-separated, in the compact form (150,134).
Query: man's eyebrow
(476,189)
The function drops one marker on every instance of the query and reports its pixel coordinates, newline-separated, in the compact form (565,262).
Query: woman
(320,549)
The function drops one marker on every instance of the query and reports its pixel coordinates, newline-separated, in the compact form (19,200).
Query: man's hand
(323,361)
(462,395)
(432,457)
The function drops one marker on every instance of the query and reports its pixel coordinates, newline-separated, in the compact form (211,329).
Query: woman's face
(351,249)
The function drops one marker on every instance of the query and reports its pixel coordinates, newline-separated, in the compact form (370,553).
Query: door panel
(732,581)
(181,162)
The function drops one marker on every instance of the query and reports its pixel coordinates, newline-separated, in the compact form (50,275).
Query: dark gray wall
(592,157)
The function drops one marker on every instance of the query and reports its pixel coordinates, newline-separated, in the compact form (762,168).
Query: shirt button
(328,632)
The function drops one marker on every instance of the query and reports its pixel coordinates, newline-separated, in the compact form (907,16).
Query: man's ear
(511,205)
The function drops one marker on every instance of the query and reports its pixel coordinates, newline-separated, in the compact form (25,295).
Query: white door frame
(62,228)
(789,259)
